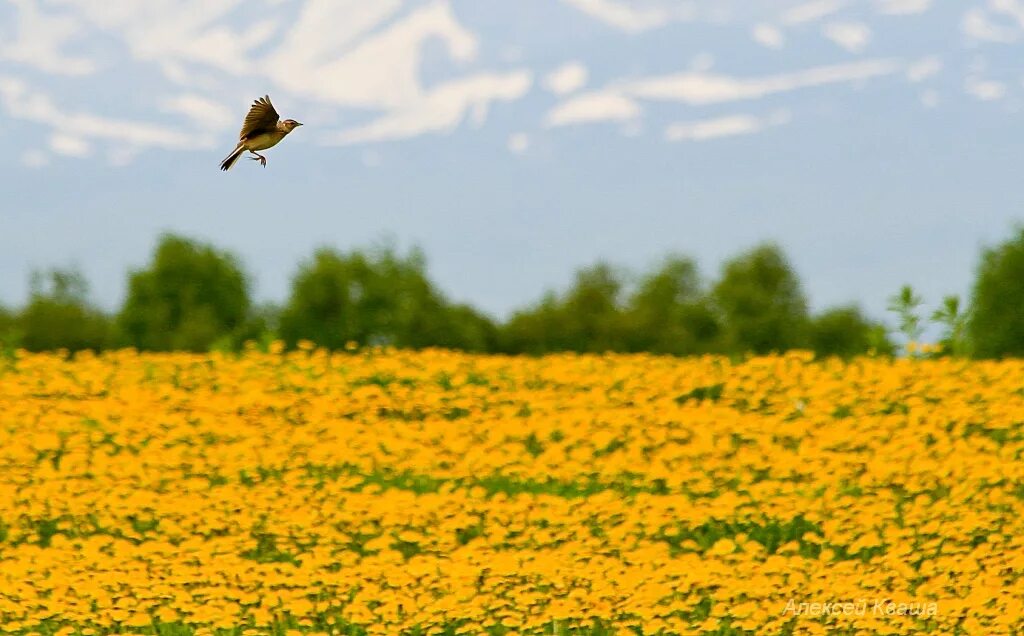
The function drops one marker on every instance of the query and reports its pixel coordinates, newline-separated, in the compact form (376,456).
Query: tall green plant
(906,304)
(954,321)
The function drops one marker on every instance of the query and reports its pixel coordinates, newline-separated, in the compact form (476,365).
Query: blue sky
(877,141)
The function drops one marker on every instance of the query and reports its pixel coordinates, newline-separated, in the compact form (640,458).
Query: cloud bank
(393,70)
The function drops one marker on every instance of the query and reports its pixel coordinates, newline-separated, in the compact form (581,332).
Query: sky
(877,142)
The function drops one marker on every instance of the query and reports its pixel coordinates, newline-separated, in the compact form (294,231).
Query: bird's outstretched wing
(262,117)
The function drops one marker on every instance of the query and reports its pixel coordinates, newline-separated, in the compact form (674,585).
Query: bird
(262,129)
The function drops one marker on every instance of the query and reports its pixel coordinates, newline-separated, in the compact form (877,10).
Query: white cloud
(812,11)
(372,159)
(618,103)
(336,55)
(589,108)
(729,126)
(39,38)
(518,143)
(852,36)
(633,16)
(632,128)
(902,7)
(346,53)
(442,109)
(325,29)
(35,159)
(193,31)
(924,68)
(203,111)
(382,70)
(511,54)
(69,145)
(23,103)
(120,156)
(702,62)
(566,79)
(768,36)
(985,90)
(977,25)
(1012,8)
(930,99)
(705,88)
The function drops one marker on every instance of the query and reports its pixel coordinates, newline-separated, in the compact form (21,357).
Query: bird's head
(290,125)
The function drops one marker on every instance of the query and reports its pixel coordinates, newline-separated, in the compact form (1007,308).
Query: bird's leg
(261,158)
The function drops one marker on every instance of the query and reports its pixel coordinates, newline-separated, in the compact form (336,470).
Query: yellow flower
(391,489)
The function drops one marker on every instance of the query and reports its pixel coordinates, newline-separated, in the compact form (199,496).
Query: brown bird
(262,129)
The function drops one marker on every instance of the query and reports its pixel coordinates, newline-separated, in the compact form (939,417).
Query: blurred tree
(762,305)
(377,297)
(469,330)
(535,330)
(58,316)
(190,296)
(588,318)
(10,336)
(846,332)
(996,323)
(193,297)
(592,315)
(8,328)
(669,312)
(261,327)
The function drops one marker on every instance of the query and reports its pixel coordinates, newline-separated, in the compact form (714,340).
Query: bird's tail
(232,158)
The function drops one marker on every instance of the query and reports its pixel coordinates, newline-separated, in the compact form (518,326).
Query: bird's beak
(298,123)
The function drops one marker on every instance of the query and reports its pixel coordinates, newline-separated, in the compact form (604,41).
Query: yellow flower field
(383,492)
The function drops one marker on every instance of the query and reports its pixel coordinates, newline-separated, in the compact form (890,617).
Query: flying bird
(262,129)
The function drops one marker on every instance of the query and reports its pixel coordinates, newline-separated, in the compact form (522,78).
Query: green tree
(669,312)
(8,328)
(762,305)
(587,318)
(846,332)
(261,327)
(10,336)
(58,315)
(592,312)
(469,330)
(377,297)
(535,330)
(996,324)
(190,296)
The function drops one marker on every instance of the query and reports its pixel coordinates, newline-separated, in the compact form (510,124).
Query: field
(383,492)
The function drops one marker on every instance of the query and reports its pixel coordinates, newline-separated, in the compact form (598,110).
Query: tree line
(192,296)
